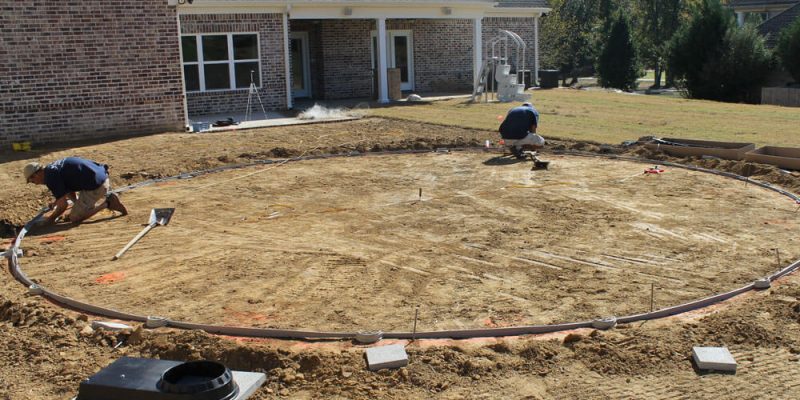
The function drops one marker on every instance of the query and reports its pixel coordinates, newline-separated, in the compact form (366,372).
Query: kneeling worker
(518,130)
(84,182)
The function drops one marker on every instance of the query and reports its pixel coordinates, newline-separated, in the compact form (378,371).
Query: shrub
(618,66)
(716,60)
(788,49)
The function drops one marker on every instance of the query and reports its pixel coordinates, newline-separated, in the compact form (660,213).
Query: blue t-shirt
(73,174)
(518,122)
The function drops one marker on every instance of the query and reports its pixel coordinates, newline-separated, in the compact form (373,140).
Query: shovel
(158,216)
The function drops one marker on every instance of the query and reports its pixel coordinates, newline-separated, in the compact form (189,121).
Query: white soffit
(359,9)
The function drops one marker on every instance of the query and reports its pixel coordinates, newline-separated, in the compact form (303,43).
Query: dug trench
(46,351)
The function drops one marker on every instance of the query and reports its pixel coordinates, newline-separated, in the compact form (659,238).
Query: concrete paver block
(393,356)
(714,359)
(248,383)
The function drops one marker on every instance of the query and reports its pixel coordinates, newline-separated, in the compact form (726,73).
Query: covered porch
(337,50)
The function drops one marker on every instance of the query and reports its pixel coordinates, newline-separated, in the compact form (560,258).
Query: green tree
(573,32)
(618,66)
(788,49)
(714,59)
(658,21)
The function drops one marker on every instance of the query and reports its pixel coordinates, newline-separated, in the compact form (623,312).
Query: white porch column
(535,51)
(477,49)
(383,80)
(287,61)
(740,18)
(183,77)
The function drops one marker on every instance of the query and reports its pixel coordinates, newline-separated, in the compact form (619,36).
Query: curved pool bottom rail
(605,323)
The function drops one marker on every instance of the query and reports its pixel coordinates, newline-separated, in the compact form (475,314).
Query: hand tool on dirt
(158,216)
(537,163)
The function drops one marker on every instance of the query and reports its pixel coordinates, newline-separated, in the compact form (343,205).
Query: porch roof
(359,9)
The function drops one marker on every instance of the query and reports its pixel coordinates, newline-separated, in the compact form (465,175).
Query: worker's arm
(58,207)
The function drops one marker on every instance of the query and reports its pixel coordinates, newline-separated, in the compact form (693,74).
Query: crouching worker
(84,182)
(518,130)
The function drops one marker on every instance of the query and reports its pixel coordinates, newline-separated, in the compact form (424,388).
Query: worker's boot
(113,203)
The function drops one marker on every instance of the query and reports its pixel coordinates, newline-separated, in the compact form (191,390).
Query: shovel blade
(161,216)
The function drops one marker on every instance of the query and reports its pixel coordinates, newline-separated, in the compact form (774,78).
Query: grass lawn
(614,117)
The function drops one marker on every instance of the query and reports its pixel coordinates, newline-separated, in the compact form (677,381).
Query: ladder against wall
(497,78)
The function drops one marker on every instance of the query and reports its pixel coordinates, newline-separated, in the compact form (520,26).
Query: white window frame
(200,63)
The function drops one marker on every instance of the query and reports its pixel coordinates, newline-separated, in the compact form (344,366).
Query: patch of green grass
(615,117)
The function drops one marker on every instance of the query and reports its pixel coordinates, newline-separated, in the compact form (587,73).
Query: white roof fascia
(517,12)
(232,7)
(378,10)
(354,9)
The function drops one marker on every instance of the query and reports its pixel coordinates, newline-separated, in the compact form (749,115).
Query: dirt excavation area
(470,239)
(349,244)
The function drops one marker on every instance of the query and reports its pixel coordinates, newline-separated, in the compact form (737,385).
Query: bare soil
(348,244)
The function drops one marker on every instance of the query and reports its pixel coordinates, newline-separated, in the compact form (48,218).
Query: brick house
(74,70)
(762,10)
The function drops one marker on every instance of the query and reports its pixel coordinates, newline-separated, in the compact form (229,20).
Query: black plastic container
(203,380)
(145,379)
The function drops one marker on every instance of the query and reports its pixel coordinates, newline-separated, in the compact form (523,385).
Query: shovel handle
(133,241)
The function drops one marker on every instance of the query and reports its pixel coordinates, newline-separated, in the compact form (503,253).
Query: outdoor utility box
(782,157)
(699,148)
(146,379)
(548,78)
(395,93)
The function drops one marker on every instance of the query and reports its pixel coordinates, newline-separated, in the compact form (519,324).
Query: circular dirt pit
(348,243)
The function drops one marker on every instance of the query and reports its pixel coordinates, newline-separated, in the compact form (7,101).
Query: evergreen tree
(714,59)
(618,66)
(788,49)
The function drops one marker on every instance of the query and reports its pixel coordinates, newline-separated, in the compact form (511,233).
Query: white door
(301,69)
(399,51)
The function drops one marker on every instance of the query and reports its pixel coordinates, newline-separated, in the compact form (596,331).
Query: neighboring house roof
(523,3)
(751,3)
(772,27)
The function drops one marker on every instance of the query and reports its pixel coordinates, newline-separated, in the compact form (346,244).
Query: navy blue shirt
(73,174)
(518,122)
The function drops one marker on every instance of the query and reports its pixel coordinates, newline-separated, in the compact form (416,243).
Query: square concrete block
(248,383)
(382,357)
(714,359)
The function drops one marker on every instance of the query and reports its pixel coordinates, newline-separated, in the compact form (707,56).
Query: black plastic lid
(203,380)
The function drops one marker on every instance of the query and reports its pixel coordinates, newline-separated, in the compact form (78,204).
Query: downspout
(536,50)
(184,100)
(286,59)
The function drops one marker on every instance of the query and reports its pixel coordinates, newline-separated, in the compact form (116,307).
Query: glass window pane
(215,48)
(401,56)
(217,76)
(189,44)
(298,81)
(191,73)
(245,47)
(243,70)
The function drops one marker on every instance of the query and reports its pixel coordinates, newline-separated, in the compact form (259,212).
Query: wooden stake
(652,295)
(420,194)
(416,315)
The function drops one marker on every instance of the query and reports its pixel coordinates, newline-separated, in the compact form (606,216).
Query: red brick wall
(273,72)
(442,54)
(72,70)
(346,50)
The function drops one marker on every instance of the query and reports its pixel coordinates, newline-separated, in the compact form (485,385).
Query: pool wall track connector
(13,255)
